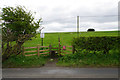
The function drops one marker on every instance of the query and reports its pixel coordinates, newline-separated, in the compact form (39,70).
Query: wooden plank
(29,47)
(68,46)
(44,53)
(30,54)
(68,50)
(29,51)
(67,53)
(44,46)
(44,50)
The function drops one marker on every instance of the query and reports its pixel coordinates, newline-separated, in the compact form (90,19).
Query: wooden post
(50,49)
(59,49)
(23,51)
(59,46)
(73,49)
(38,47)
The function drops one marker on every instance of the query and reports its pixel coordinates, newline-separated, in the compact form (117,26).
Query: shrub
(96,43)
(90,30)
(84,58)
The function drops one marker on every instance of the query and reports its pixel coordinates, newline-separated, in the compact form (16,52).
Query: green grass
(65,38)
(89,59)
(24,62)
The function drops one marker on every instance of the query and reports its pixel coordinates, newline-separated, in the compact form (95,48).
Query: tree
(18,27)
(91,29)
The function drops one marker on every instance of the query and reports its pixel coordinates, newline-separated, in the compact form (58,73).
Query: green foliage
(18,26)
(22,61)
(89,59)
(96,43)
(90,52)
(19,22)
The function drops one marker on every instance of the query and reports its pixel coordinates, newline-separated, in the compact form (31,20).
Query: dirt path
(51,63)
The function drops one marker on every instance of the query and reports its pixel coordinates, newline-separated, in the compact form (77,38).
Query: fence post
(38,47)
(23,51)
(59,48)
(73,49)
(50,49)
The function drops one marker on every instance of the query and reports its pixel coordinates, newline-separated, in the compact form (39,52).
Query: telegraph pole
(78,26)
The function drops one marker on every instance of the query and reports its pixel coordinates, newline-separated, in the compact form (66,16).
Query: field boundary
(46,50)
(39,50)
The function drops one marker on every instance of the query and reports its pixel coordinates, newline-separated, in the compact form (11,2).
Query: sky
(61,15)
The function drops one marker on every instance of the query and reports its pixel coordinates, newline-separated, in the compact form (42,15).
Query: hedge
(96,43)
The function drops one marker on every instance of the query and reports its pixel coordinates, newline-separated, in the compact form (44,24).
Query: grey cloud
(61,16)
(97,15)
(99,19)
(66,16)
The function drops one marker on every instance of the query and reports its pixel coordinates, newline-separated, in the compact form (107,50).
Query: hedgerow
(96,43)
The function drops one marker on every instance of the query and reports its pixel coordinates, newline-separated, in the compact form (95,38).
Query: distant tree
(18,27)
(91,29)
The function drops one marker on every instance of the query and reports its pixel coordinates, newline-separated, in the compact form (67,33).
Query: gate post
(38,50)
(50,49)
(73,49)
(59,46)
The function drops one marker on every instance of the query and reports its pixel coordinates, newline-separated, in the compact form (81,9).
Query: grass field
(65,37)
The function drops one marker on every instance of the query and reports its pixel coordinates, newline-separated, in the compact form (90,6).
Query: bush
(96,43)
(90,30)
(84,58)
(89,52)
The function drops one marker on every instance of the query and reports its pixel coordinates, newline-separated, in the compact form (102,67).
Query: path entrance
(51,63)
(51,50)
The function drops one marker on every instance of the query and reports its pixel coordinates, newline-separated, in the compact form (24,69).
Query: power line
(73,17)
(102,16)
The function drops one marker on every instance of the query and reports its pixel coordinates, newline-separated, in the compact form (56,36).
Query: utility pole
(78,26)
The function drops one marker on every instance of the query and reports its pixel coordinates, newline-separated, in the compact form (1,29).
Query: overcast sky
(61,15)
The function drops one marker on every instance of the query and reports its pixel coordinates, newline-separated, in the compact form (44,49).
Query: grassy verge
(90,59)
(24,62)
